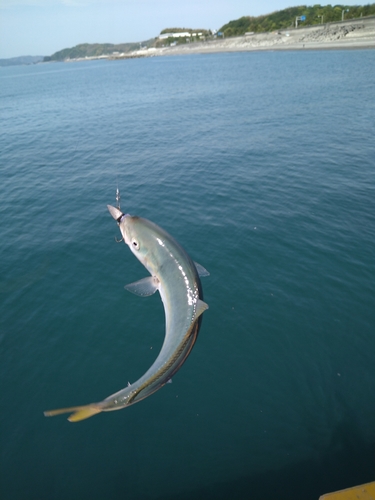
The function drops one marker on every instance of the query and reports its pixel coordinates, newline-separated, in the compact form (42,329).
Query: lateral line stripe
(166,367)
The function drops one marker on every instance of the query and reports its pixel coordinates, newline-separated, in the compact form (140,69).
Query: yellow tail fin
(78,412)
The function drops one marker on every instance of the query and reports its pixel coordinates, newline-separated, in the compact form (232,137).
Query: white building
(174,35)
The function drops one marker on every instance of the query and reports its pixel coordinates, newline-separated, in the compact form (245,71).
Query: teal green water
(262,165)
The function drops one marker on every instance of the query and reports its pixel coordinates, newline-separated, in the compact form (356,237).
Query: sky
(42,27)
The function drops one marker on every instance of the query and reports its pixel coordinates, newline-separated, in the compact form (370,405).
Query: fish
(177,278)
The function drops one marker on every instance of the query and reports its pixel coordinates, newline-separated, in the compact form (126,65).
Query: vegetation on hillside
(286,18)
(282,19)
(95,50)
(183,30)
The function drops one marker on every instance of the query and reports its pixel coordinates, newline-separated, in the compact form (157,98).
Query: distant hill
(15,61)
(286,18)
(86,50)
(282,19)
(184,30)
(96,50)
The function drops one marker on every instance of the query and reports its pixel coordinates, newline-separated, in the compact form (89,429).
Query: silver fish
(176,277)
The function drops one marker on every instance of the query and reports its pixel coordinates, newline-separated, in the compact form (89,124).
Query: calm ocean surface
(262,165)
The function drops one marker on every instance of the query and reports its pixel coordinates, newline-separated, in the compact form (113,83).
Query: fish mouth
(116,213)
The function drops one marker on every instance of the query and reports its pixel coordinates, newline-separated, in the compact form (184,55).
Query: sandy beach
(351,34)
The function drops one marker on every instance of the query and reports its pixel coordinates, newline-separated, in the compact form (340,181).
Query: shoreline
(345,35)
(227,48)
(280,48)
(354,34)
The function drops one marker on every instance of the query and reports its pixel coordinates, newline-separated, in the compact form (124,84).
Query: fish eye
(135,244)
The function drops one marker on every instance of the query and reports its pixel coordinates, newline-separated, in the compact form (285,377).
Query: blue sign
(303,18)
(219,33)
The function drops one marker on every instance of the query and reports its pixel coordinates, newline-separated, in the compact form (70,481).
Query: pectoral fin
(145,287)
(201,270)
(78,412)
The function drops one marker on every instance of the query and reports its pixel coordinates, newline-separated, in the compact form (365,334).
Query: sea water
(262,165)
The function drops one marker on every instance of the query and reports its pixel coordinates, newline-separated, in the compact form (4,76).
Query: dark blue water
(262,165)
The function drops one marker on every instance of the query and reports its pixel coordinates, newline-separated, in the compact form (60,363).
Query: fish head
(141,235)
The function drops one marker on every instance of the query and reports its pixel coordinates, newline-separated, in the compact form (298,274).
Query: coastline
(344,35)
(353,34)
